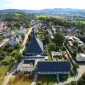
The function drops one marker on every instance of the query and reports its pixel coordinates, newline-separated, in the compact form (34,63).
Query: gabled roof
(35,46)
(48,66)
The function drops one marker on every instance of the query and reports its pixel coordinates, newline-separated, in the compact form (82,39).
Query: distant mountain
(48,11)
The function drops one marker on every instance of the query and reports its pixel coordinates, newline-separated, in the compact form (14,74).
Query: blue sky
(41,4)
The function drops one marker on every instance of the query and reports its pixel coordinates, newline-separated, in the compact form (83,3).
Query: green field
(20,81)
(47,79)
(41,16)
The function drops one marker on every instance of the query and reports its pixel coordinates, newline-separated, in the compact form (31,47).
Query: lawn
(49,57)
(20,81)
(7,59)
(47,79)
(3,71)
(41,16)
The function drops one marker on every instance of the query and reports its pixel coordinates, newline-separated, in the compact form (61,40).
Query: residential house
(72,28)
(73,32)
(80,59)
(8,32)
(14,40)
(48,32)
(21,30)
(32,22)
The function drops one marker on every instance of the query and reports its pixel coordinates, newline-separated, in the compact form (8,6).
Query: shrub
(21,74)
(39,83)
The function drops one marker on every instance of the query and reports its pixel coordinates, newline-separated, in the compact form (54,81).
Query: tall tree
(59,38)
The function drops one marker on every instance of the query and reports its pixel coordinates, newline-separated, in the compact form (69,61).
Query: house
(48,32)
(35,26)
(80,59)
(72,38)
(14,40)
(68,29)
(1,33)
(3,43)
(32,22)
(21,30)
(35,46)
(52,67)
(8,32)
(56,54)
(64,32)
(73,32)
(72,28)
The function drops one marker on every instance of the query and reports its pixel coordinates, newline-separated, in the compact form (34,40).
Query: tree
(39,83)
(75,43)
(18,46)
(18,56)
(74,53)
(59,38)
(22,36)
(3,54)
(17,25)
(57,48)
(52,46)
(29,37)
(79,49)
(75,65)
(47,40)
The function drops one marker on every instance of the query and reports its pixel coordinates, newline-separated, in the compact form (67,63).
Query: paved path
(35,79)
(9,74)
(25,40)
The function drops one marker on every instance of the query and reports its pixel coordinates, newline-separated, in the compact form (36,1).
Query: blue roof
(48,66)
(35,46)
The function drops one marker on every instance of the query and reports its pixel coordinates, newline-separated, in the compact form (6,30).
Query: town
(40,51)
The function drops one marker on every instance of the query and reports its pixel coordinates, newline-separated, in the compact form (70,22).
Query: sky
(41,4)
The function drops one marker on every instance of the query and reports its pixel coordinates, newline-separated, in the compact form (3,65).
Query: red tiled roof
(73,32)
(1,29)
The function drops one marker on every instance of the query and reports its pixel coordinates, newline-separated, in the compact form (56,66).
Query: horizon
(39,5)
(43,9)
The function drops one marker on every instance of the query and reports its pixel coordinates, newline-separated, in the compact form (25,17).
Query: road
(25,40)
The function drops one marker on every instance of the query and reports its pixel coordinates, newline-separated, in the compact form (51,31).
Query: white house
(14,40)
(21,30)
(8,32)
(32,22)
(48,32)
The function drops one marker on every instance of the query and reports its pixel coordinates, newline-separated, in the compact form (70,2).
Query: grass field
(3,71)
(41,16)
(47,79)
(17,14)
(20,81)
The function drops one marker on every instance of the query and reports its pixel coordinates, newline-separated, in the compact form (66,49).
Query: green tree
(39,83)
(75,43)
(74,53)
(47,40)
(29,37)
(52,46)
(22,36)
(59,38)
